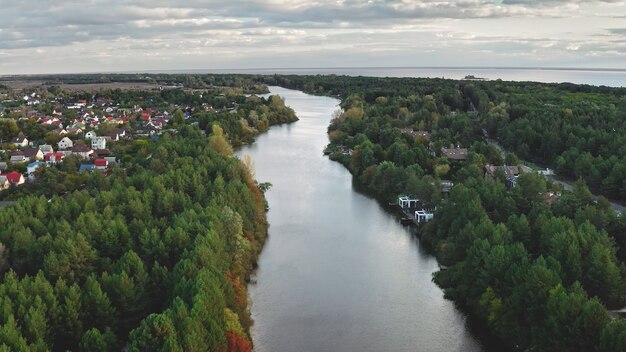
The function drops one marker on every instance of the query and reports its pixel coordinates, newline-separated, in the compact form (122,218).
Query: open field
(29,84)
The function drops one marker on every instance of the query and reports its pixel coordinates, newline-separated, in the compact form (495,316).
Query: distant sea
(597,77)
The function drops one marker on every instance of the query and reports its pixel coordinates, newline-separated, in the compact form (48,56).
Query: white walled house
(98,143)
(83,150)
(20,141)
(18,157)
(54,158)
(65,143)
(423,216)
(91,135)
(407,202)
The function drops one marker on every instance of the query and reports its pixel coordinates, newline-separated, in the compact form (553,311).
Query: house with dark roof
(33,153)
(100,153)
(18,157)
(83,150)
(507,170)
(454,153)
(20,141)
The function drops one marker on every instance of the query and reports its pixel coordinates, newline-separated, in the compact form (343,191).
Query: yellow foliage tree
(218,142)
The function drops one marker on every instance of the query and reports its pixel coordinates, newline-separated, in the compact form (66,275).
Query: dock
(408,215)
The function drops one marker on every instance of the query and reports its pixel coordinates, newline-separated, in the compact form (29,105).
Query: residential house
(4,183)
(32,167)
(511,173)
(46,148)
(53,158)
(98,143)
(423,216)
(15,178)
(101,153)
(75,130)
(33,153)
(552,197)
(3,165)
(86,168)
(91,135)
(446,186)
(415,134)
(101,164)
(111,160)
(507,170)
(407,202)
(65,143)
(52,122)
(116,134)
(454,153)
(18,157)
(83,150)
(20,141)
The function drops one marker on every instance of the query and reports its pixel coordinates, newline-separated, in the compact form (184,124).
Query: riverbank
(494,236)
(337,271)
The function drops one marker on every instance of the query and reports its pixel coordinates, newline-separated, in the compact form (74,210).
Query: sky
(43,36)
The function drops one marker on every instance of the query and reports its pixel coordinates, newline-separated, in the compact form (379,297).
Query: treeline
(539,273)
(154,257)
(241,83)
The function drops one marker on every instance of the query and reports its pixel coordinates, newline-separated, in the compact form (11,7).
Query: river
(338,272)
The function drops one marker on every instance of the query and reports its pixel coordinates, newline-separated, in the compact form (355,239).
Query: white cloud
(176,34)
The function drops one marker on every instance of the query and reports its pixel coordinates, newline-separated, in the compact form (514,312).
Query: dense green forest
(153,256)
(579,130)
(540,274)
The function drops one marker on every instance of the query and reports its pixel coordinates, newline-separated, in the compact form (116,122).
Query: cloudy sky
(43,36)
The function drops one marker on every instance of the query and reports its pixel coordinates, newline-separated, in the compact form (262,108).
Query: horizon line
(226,70)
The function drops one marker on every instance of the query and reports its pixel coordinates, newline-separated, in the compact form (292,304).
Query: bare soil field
(29,84)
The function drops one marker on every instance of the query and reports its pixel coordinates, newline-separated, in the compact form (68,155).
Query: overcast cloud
(41,36)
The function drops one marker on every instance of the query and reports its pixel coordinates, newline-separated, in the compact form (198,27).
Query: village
(414,211)
(87,129)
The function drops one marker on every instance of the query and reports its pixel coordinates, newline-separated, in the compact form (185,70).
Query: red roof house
(53,158)
(15,178)
(101,164)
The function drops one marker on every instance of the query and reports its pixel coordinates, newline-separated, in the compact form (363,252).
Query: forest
(579,130)
(540,274)
(154,256)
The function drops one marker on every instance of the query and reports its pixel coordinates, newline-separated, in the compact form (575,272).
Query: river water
(338,272)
